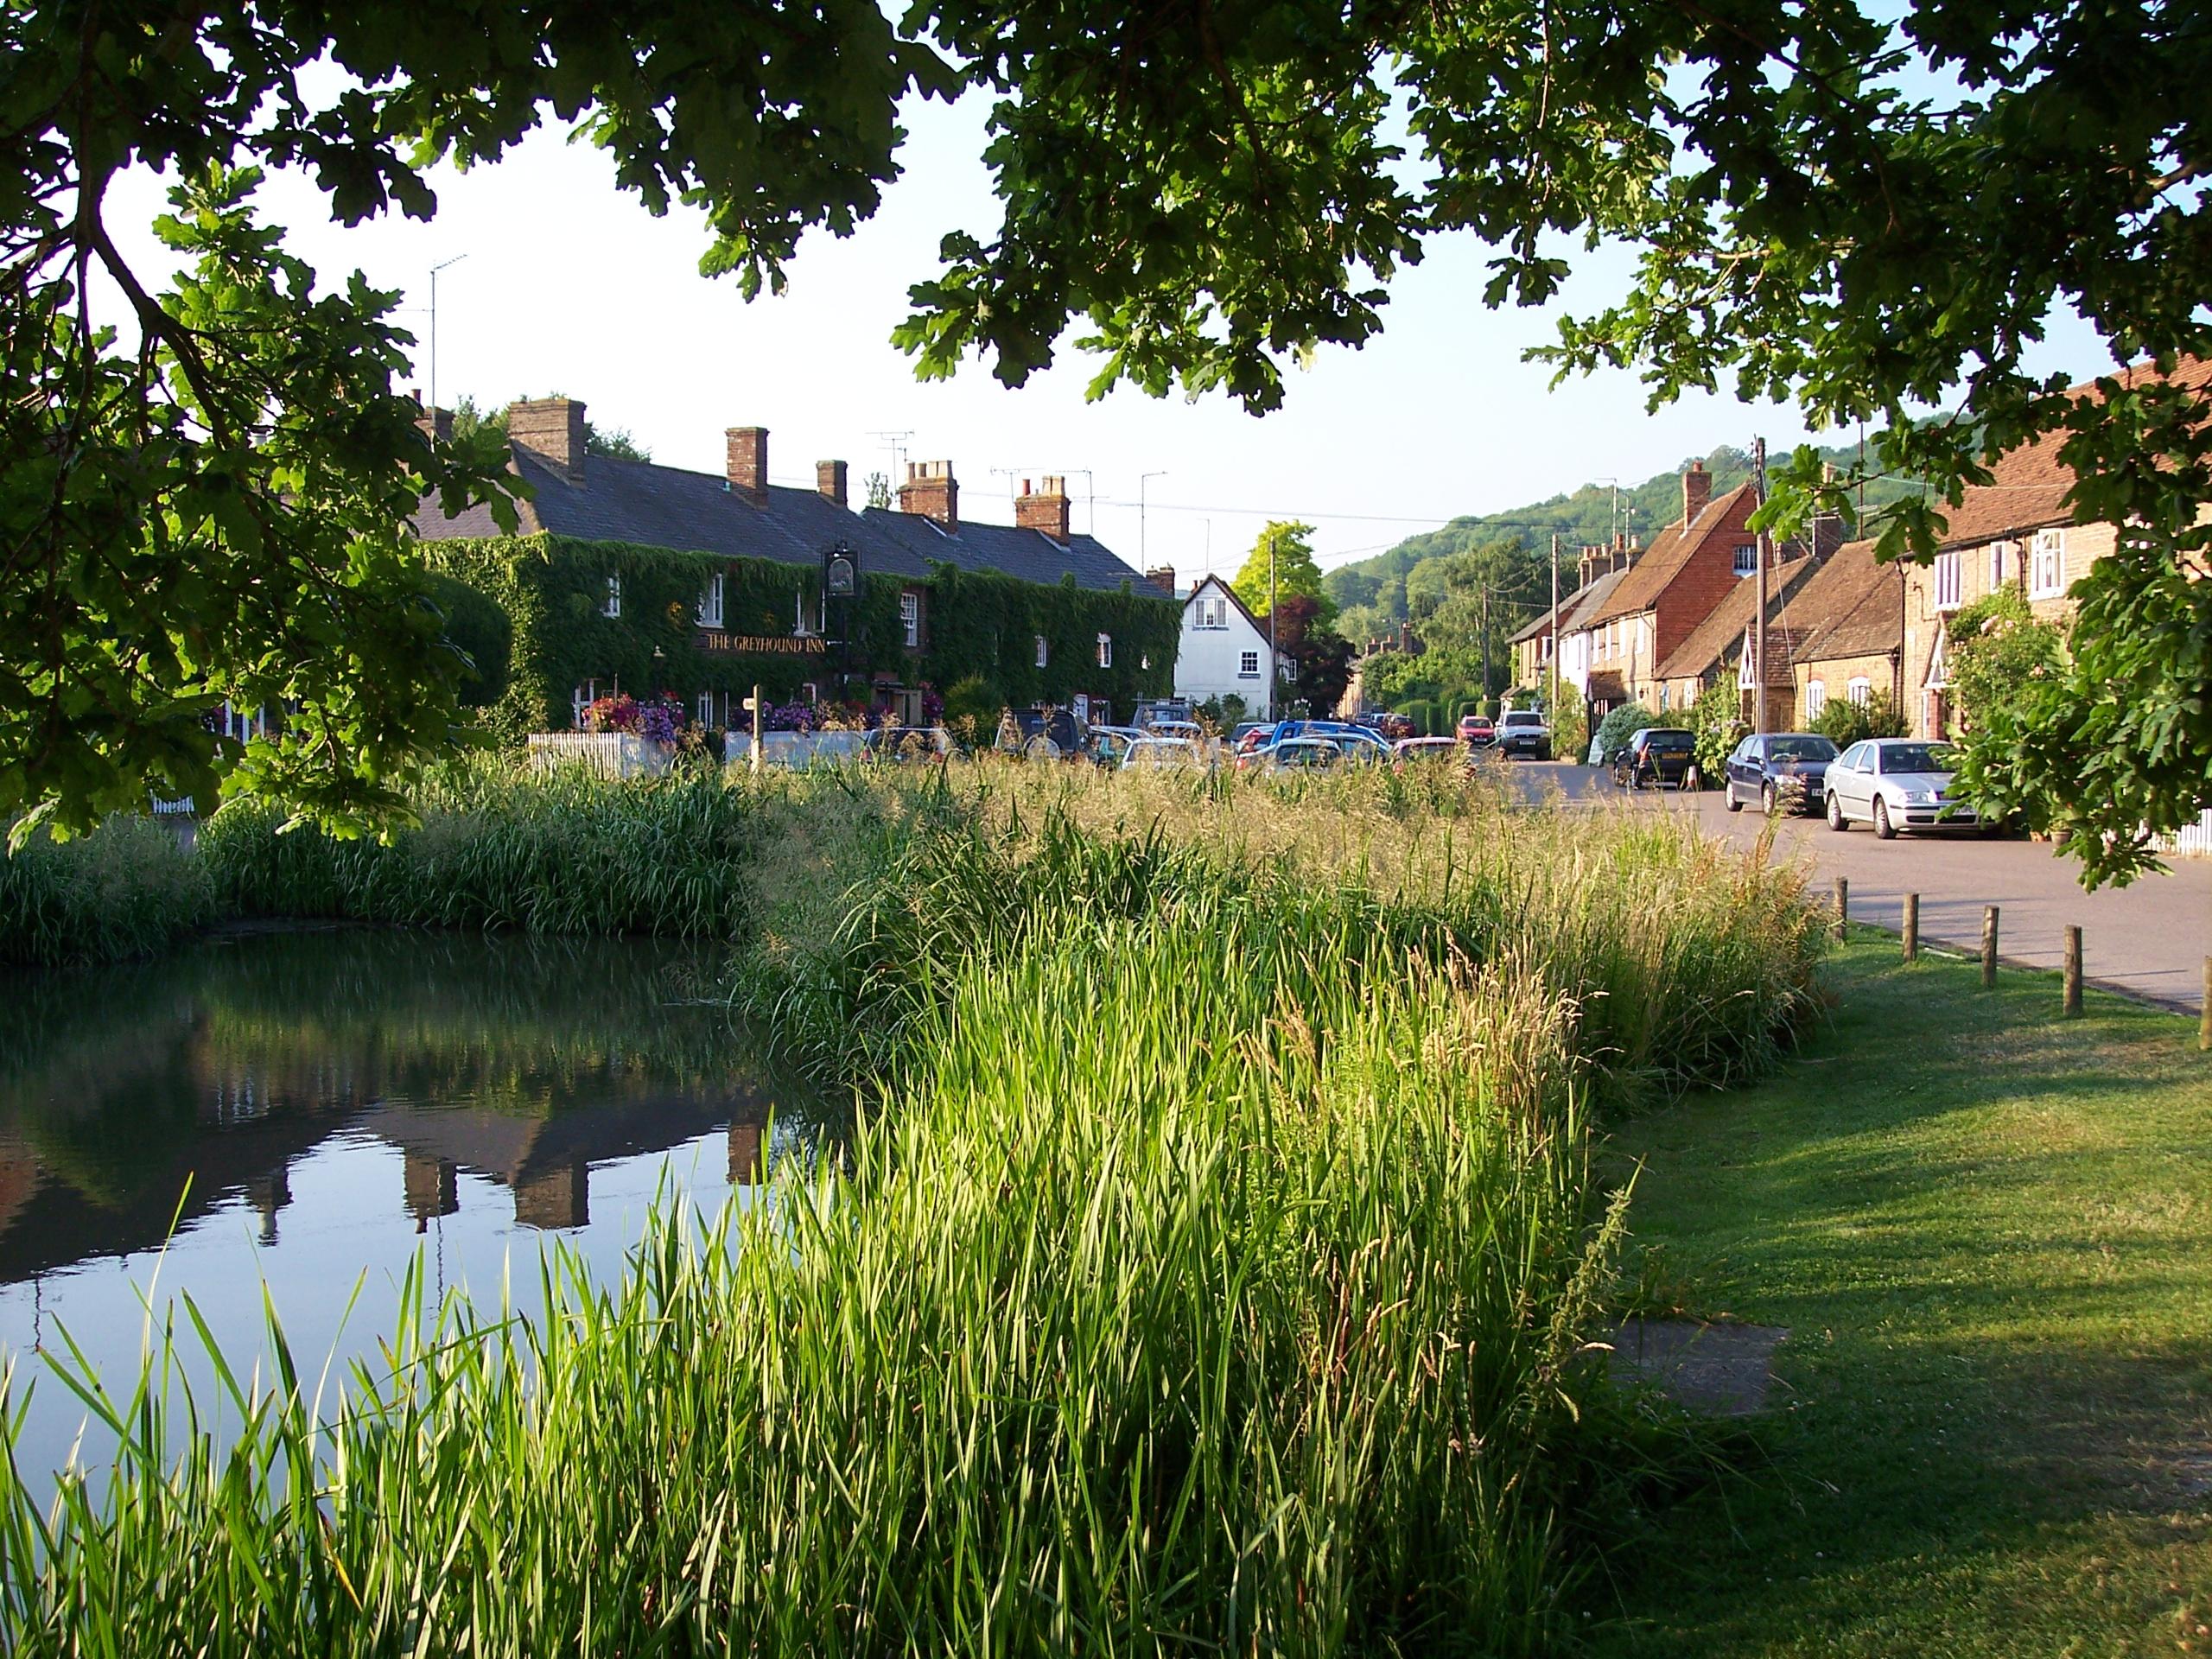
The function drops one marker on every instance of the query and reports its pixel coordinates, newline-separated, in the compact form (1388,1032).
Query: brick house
(727,575)
(1715,650)
(1847,633)
(1690,567)
(2016,531)
(1598,572)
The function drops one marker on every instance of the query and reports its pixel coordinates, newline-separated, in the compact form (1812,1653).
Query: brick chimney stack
(747,464)
(1697,490)
(552,429)
(1046,510)
(1162,577)
(830,480)
(930,491)
(436,424)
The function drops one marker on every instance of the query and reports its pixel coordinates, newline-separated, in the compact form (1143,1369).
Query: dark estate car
(1657,754)
(1779,769)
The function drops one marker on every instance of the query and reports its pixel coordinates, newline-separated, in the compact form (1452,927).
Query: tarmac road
(2148,940)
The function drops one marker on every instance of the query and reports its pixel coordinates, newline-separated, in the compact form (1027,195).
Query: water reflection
(299,1108)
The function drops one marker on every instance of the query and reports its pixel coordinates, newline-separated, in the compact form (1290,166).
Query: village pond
(311,1111)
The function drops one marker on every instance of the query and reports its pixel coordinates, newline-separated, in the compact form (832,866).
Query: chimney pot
(830,480)
(552,429)
(1162,577)
(747,449)
(1046,511)
(932,490)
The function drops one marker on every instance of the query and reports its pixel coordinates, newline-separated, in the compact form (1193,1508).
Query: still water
(307,1112)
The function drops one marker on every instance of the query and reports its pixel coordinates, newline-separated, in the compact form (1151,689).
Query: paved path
(2148,940)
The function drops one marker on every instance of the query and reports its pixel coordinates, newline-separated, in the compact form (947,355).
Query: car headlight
(1919,797)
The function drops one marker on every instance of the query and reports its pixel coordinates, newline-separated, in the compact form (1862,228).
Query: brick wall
(1706,577)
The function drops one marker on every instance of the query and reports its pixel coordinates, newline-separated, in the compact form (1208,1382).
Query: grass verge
(1989,1232)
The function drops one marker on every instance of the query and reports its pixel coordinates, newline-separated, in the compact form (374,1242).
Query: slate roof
(2027,491)
(1715,640)
(1854,607)
(654,505)
(1575,607)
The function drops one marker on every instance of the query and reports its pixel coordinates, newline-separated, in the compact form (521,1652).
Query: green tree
(1286,550)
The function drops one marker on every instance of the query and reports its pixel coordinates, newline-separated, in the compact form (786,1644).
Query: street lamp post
(434,270)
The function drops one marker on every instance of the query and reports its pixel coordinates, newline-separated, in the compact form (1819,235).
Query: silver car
(1895,782)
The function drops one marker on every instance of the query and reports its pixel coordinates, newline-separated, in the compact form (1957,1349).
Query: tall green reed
(128,889)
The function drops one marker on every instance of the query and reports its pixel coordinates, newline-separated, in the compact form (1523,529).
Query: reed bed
(128,889)
(1211,1269)
(496,847)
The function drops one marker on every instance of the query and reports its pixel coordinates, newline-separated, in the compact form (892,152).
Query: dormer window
(710,602)
(1746,559)
(613,606)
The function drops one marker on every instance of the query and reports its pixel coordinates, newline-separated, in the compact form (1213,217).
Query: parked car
(1166,753)
(1107,746)
(1384,723)
(1477,731)
(1300,754)
(907,743)
(1895,783)
(1525,731)
(1358,742)
(1656,755)
(1426,751)
(1188,729)
(1778,769)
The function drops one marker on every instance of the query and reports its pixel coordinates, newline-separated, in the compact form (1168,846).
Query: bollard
(1912,927)
(2073,1003)
(1842,906)
(1989,949)
(759,726)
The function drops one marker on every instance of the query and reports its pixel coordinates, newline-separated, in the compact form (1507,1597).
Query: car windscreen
(1800,748)
(1669,740)
(1524,720)
(1918,757)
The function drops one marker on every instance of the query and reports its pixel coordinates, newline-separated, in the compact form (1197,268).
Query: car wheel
(1734,806)
(1884,828)
(1766,799)
(1836,820)
(1544,754)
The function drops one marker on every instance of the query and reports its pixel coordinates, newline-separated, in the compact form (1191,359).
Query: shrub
(1717,717)
(1996,648)
(128,889)
(1621,724)
(1844,723)
(972,708)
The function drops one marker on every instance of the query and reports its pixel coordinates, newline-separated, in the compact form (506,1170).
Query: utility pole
(1551,650)
(1144,555)
(434,270)
(1274,664)
(1759,597)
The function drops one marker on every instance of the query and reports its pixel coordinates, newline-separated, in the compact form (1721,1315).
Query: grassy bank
(1208,1272)
(126,890)
(1988,1233)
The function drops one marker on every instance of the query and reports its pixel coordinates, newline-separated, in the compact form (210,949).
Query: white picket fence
(611,754)
(2195,842)
(792,748)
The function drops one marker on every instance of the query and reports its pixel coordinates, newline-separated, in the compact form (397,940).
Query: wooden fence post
(1989,949)
(2073,1003)
(760,729)
(2204,1020)
(1842,906)
(1912,927)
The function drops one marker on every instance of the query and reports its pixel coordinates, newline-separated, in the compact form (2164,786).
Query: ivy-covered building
(627,576)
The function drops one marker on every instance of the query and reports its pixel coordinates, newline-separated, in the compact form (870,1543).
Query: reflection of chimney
(552,429)
(431,1185)
(748,1159)
(931,490)
(553,1198)
(269,1193)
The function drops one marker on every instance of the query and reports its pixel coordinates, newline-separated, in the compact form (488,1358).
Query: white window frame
(1744,560)
(612,607)
(1949,581)
(710,602)
(1996,566)
(1816,699)
(1105,651)
(585,694)
(2047,565)
(706,709)
(1044,652)
(1859,689)
(910,619)
(1248,665)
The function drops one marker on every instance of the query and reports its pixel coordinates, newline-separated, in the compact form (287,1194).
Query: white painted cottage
(1223,652)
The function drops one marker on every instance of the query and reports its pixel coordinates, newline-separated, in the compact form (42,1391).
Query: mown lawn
(1989,1233)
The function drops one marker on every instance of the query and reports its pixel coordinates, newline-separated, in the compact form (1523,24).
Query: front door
(909,707)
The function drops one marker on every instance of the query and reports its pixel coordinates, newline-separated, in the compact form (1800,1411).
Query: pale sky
(564,283)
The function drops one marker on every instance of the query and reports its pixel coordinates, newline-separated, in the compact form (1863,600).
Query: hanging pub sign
(840,571)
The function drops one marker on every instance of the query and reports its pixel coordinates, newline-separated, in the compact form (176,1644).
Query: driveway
(2148,940)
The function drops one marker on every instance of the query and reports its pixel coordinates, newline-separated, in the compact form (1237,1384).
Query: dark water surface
(305,1111)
